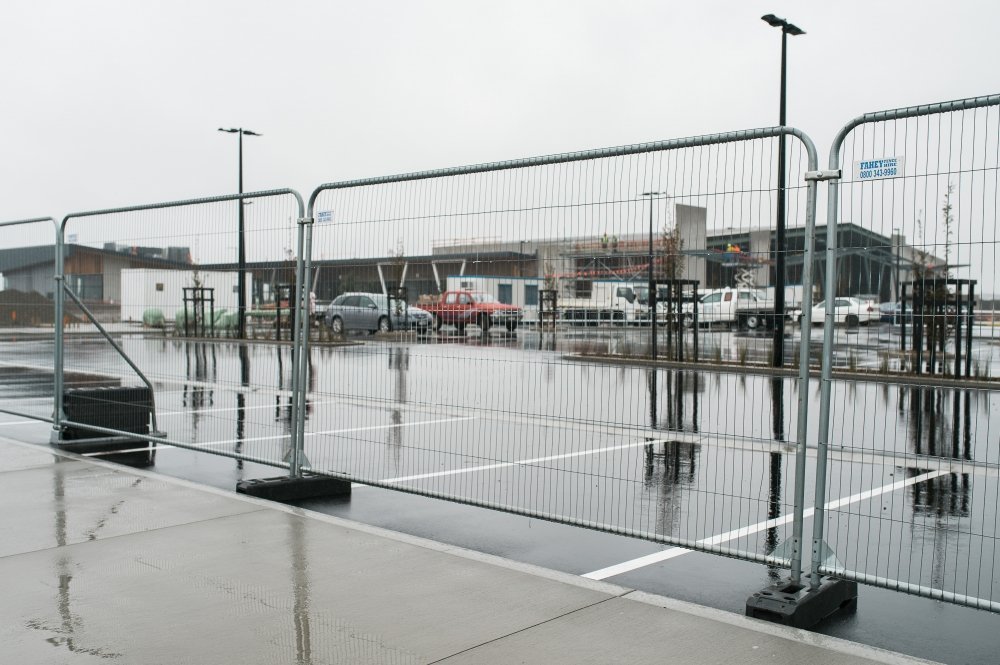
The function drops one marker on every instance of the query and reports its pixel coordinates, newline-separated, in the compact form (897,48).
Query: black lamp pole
(241,279)
(652,279)
(778,348)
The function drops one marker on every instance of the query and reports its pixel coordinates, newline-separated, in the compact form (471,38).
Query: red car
(462,308)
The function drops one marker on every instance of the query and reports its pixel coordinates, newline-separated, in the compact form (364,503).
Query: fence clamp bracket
(817,176)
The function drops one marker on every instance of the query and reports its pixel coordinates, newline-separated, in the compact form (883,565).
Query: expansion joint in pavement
(531,627)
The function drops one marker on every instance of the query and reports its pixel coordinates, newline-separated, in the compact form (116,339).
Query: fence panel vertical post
(802,431)
(58,412)
(300,348)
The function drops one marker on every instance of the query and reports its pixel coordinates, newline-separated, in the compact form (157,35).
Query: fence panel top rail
(187,202)
(562,158)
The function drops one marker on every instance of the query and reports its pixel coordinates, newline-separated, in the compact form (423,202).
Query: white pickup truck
(742,308)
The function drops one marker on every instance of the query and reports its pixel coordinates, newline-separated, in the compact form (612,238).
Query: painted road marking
(525,462)
(673,552)
(165,446)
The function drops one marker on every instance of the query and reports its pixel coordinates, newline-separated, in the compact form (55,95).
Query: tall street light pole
(897,240)
(241,280)
(778,348)
(652,279)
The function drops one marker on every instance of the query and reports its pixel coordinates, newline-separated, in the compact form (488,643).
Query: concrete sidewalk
(101,563)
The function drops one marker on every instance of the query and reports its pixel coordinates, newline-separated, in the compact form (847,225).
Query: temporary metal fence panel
(907,427)
(159,283)
(466,398)
(27,284)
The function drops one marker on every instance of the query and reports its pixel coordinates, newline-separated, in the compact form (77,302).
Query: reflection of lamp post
(778,355)
(652,279)
(241,280)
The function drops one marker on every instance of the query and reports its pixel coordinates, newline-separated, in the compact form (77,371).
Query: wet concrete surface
(211,577)
(398,409)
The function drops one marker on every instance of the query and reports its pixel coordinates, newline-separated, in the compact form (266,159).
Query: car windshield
(483,297)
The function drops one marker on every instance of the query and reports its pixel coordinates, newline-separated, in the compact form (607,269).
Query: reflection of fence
(625,443)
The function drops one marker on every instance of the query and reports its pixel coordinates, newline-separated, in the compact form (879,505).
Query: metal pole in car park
(651,297)
(833,175)
(778,347)
(241,254)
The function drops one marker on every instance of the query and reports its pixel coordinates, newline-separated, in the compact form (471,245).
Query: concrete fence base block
(800,605)
(286,488)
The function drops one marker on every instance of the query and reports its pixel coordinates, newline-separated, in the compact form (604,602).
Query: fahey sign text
(873,169)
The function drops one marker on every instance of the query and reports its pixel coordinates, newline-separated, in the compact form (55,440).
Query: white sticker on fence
(324,216)
(873,169)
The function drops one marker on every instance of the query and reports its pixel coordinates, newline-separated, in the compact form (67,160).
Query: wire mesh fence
(26,314)
(162,281)
(590,338)
(586,428)
(917,231)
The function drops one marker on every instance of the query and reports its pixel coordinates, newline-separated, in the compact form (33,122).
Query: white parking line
(673,552)
(165,446)
(25,422)
(535,460)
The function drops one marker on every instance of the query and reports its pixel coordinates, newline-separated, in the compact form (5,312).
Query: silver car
(371,312)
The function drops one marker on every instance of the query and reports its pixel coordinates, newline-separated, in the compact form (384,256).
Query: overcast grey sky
(117,103)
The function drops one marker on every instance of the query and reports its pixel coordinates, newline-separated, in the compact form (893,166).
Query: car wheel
(337,325)
(383,325)
(852,320)
(436,323)
(511,326)
(484,323)
(688,320)
(753,321)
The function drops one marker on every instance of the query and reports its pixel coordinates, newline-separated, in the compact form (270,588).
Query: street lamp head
(245,132)
(786,27)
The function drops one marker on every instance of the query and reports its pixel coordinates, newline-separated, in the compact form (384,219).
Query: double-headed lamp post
(778,348)
(241,280)
(652,279)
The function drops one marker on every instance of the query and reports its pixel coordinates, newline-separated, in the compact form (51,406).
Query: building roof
(21,258)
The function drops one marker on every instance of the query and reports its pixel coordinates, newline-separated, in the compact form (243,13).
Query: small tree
(672,265)
(949,221)
(549,283)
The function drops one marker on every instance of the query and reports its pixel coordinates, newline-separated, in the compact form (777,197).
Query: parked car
(893,312)
(845,310)
(739,307)
(370,312)
(462,308)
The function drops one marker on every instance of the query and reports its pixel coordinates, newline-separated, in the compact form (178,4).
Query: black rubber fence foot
(286,488)
(800,605)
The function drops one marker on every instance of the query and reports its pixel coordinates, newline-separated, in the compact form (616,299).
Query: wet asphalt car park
(419,402)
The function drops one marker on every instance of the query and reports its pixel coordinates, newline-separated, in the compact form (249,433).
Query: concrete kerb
(834,644)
